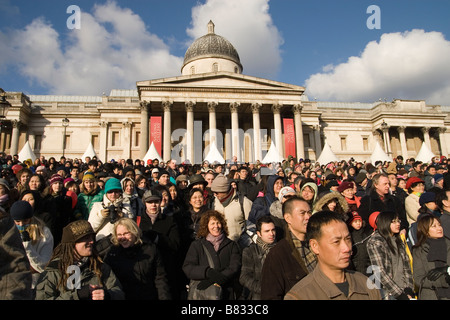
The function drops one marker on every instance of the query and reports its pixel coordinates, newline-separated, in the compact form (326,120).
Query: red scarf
(356,200)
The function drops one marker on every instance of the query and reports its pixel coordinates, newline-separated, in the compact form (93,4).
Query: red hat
(345,185)
(355,216)
(373,219)
(412,180)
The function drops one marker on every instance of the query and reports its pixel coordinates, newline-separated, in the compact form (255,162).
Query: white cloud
(112,50)
(409,65)
(250,29)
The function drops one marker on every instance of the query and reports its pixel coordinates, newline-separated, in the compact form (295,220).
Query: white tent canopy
(90,152)
(327,155)
(152,154)
(273,155)
(425,154)
(214,154)
(26,153)
(378,154)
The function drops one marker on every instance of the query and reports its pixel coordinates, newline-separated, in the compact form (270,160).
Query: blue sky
(324,45)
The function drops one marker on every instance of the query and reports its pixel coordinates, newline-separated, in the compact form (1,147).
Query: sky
(339,50)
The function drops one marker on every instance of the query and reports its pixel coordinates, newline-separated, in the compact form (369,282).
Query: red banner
(289,138)
(155,133)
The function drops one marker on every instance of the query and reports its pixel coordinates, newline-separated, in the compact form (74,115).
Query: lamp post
(4,106)
(65,123)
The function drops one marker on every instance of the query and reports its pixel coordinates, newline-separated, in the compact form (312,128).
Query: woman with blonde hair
(137,263)
(90,192)
(225,255)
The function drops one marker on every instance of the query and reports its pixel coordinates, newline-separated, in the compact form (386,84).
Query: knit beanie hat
(284,191)
(88,175)
(21,210)
(345,185)
(427,197)
(76,230)
(220,184)
(56,178)
(113,184)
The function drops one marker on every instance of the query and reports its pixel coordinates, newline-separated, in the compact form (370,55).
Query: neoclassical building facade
(213,102)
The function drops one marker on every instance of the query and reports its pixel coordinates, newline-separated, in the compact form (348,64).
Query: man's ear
(314,245)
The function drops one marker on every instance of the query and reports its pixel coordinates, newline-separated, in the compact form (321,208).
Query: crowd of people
(82,229)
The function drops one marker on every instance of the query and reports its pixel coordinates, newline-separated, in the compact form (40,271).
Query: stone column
(126,140)
(426,136)
(212,123)
(236,148)
(190,131)
(276,108)
(256,107)
(403,145)
(317,142)
(103,140)
(387,140)
(143,143)
(297,109)
(15,136)
(167,135)
(442,141)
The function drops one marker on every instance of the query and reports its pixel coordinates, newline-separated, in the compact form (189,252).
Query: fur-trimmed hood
(327,197)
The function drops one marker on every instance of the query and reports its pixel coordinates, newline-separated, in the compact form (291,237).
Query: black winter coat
(141,271)
(227,260)
(372,203)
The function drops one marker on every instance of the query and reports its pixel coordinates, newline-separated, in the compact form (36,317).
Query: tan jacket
(317,286)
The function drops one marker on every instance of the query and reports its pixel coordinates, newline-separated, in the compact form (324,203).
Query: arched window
(236,70)
(192,70)
(215,67)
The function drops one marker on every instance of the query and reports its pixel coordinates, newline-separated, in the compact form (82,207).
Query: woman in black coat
(137,264)
(225,253)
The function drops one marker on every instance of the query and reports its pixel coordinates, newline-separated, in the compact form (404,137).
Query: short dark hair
(319,219)
(263,219)
(289,205)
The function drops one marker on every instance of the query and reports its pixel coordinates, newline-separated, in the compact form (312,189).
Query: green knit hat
(113,184)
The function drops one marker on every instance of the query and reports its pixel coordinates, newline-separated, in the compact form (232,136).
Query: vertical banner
(289,138)
(155,133)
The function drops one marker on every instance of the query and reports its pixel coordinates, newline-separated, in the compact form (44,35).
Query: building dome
(212,46)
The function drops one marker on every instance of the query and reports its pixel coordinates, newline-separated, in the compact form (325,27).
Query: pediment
(219,80)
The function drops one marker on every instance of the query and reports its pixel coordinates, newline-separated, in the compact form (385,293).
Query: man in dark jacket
(162,230)
(246,184)
(379,199)
(253,258)
(291,259)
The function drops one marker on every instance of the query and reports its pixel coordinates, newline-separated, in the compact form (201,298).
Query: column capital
(425,129)
(441,129)
(212,105)
(297,108)
(189,105)
(234,106)
(103,124)
(256,107)
(167,105)
(143,105)
(401,129)
(126,124)
(276,107)
(16,123)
